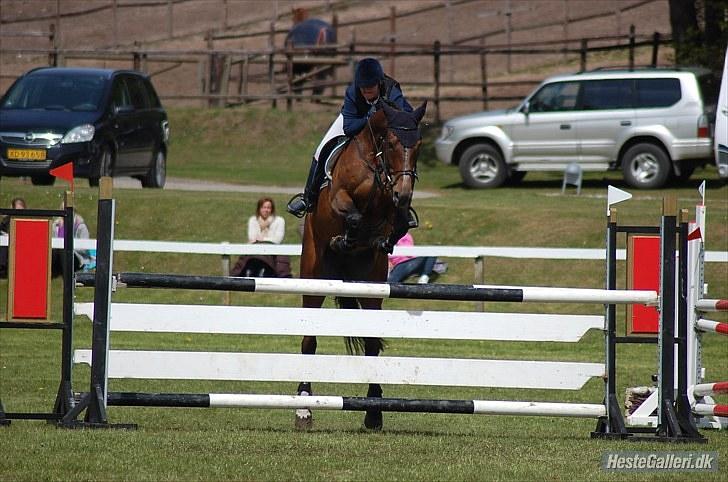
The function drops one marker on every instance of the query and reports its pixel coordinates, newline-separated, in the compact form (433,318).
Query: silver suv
(652,124)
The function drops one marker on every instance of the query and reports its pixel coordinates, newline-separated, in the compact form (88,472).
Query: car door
(123,124)
(606,117)
(144,118)
(547,137)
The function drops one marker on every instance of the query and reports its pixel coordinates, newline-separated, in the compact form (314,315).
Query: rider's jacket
(356,108)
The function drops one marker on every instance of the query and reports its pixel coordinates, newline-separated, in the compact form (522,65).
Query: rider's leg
(301,203)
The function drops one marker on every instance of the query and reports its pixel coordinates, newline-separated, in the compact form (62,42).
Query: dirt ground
(181,25)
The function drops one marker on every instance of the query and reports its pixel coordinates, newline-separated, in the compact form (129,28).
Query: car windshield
(65,92)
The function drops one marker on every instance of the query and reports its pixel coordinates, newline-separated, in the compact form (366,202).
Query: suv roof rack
(628,68)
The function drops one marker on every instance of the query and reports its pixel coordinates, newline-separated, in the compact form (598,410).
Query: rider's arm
(397,98)
(354,121)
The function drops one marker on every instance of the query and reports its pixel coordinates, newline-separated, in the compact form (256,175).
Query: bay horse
(360,215)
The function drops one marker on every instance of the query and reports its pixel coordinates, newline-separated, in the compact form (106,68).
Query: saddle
(336,150)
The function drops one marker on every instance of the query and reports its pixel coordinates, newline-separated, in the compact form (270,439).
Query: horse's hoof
(304,419)
(373,421)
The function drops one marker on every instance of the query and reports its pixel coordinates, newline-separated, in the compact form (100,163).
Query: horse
(360,215)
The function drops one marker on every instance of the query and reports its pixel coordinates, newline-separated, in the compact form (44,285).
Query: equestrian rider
(369,87)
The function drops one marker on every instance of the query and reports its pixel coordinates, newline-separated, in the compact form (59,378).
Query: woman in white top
(265,226)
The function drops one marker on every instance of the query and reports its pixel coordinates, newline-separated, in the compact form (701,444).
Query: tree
(699,32)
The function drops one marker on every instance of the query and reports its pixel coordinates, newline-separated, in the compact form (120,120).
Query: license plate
(27,154)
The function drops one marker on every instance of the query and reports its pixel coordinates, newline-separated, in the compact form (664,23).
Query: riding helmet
(369,72)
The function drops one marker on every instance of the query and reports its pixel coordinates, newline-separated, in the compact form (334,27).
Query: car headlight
(82,133)
(447,131)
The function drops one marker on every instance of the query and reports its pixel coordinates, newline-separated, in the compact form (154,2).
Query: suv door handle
(625,123)
(565,127)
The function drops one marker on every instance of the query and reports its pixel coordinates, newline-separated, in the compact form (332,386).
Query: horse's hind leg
(304,416)
(373,419)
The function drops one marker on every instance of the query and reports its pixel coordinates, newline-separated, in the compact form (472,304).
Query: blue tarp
(311,32)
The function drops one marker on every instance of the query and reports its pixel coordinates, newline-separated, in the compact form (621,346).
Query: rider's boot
(302,203)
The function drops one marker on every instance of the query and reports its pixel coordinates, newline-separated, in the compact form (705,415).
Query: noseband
(391,177)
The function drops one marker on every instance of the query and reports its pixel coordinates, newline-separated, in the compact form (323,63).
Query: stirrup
(413,220)
(297,205)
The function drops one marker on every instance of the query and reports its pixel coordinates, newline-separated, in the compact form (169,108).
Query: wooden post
(224,14)
(114,22)
(565,27)
(483,73)
(224,81)
(135,61)
(58,24)
(436,61)
(271,66)
(246,72)
(334,69)
(582,53)
(53,55)
(631,47)
(392,39)
(508,14)
(170,18)
(655,48)
(289,77)
(202,78)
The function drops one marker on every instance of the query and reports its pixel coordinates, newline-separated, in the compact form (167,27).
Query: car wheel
(104,168)
(645,166)
(157,175)
(482,166)
(43,180)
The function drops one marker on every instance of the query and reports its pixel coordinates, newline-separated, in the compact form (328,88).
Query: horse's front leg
(373,420)
(344,206)
(304,416)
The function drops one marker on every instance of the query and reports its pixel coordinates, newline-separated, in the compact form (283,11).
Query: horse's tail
(356,345)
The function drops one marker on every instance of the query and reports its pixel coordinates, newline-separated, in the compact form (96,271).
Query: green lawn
(250,146)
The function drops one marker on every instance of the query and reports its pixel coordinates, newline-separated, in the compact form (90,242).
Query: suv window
(657,92)
(555,97)
(120,93)
(152,95)
(606,94)
(138,92)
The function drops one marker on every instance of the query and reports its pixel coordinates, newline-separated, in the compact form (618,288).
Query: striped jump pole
(711,305)
(483,407)
(322,287)
(707,410)
(712,326)
(704,389)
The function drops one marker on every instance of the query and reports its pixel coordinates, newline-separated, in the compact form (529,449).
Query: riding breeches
(336,130)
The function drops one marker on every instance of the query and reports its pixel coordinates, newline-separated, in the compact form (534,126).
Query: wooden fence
(224,76)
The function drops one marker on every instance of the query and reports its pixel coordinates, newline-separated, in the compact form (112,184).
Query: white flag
(701,190)
(615,196)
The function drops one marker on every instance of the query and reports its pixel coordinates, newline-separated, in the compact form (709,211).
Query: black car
(108,122)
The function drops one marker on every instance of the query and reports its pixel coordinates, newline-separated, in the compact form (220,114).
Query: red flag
(64,172)
(695,235)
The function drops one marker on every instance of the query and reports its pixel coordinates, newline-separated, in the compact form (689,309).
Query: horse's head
(401,147)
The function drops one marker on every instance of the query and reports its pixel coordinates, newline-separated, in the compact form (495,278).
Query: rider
(369,87)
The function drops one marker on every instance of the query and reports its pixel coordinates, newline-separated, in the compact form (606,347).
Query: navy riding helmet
(369,72)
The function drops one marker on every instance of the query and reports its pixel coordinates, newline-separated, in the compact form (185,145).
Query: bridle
(383,169)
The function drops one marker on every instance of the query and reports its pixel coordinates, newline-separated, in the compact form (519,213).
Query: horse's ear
(419,113)
(388,111)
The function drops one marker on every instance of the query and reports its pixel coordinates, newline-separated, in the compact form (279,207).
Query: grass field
(250,146)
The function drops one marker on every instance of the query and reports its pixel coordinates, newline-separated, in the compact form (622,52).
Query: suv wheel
(645,166)
(482,166)
(104,167)
(157,174)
